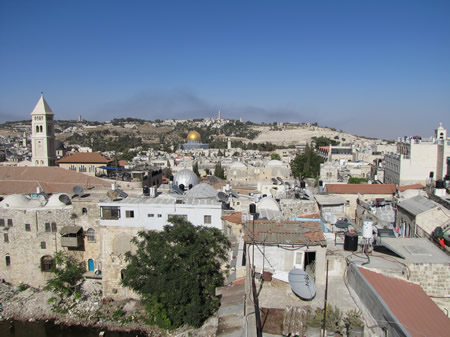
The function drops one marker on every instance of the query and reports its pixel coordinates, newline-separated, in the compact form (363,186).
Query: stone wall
(433,278)
(293,208)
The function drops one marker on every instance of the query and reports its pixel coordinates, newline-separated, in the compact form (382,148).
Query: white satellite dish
(302,284)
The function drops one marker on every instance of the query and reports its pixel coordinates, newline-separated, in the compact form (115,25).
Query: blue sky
(375,68)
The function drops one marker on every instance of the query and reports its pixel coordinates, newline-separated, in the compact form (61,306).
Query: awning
(70,230)
(111,168)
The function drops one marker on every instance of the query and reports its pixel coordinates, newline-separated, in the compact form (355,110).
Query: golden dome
(193,135)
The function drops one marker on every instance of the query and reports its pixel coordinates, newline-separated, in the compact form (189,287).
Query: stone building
(36,226)
(239,172)
(89,163)
(417,159)
(366,192)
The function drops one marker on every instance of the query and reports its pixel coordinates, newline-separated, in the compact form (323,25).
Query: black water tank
(431,174)
(146,190)
(302,184)
(440,184)
(351,242)
(252,208)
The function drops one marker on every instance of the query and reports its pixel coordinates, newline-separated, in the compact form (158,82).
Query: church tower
(42,135)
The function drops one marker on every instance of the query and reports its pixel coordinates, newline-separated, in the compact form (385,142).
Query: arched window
(46,263)
(91,235)
(40,128)
(122,274)
(84,211)
(37,128)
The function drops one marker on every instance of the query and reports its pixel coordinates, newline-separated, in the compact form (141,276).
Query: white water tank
(367,229)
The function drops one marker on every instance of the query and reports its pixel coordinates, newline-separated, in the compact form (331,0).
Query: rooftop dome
(185,177)
(202,191)
(193,135)
(237,164)
(275,163)
(21,201)
(268,203)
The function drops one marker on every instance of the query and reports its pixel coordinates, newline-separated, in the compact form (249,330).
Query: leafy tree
(219,171)
(68,271)
(324,141)
(275,156)
(195,169)
(167,172)
(355,180)
(307,164)
(176,271)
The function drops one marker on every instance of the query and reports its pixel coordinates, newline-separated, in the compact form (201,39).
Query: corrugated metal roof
(285,232)
(361,188)
(417,205)
(412,307)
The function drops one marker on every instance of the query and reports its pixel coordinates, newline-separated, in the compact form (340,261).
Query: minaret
(219,117)
(42,134)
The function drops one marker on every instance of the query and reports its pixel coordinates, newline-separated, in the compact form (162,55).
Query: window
(47,227)
(8,260)
(91,235)
(298,259)
(54,228)
(92,168)
(10,222)
(207,219)
(43,245)
(84,211)
(46,263)
(159,215)
(82,168)
(5,237)
(151,215)
(122,274)
(72,168)
(2,222)
(110,212)
(129,214)
(27,227)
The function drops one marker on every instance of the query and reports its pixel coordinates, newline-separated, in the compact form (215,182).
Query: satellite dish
(78,190)
(222,196)
(113,195)
(121,193)
(65,199)
(302,284)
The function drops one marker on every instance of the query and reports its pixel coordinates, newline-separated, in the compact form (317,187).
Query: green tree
(195,169)
(219,171)
(167,172)
(307,164)
(355,180)
(275,156)
(176,272)
(68,271)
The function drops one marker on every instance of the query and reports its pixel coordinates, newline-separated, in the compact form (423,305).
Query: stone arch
(122,244)
(47,263)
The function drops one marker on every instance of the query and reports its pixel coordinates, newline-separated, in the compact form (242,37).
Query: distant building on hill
(193,141)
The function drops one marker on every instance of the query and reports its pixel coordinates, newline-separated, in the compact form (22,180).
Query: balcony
(71,236)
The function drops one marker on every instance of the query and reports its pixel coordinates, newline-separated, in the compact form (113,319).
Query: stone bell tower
(42,134)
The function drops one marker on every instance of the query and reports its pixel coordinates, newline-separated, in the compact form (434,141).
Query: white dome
(20,201)
(268,203)
(237,164)
(202,191)
(185,177)
(275,163)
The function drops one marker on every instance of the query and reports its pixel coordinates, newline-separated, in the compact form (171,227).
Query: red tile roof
(361,188)
(234,218)
(25,180)
(410,187)
(85,157)
(410,304)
